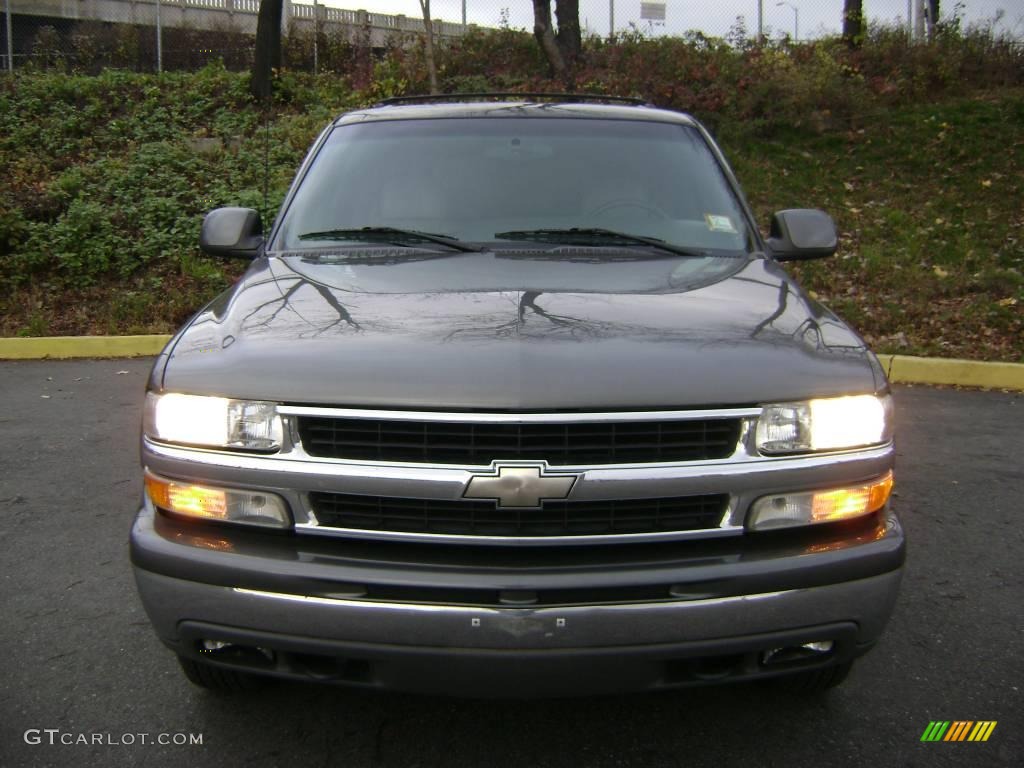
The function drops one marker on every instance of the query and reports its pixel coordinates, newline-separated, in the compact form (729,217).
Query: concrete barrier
(236,15)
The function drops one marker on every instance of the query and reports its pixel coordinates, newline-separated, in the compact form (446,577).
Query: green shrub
(107,176)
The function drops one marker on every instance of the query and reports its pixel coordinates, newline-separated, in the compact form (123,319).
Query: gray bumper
(480,650)
(866,603)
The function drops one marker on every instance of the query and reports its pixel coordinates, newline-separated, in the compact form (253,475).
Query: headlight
(216,422)
(827,424)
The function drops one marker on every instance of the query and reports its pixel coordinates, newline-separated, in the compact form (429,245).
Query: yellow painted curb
(963,373)
(60,347)
(901,368)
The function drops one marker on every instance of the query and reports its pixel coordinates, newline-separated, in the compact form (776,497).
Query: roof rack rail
(507,95)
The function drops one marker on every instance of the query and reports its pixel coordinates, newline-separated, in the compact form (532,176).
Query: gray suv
(515,400)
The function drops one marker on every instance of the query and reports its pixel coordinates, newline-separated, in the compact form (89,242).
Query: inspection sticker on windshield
(718,223)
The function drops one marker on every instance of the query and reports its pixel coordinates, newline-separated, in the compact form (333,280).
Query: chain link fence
(150,35)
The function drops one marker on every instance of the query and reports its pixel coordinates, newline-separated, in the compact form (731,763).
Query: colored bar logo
(959,730)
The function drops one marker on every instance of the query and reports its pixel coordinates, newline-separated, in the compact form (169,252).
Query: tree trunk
(546,39)
(428,27)
(570,41)
(268,49)
(853,22)
(933,17)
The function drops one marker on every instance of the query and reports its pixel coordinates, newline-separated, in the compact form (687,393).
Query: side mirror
(802,233)
(232,233)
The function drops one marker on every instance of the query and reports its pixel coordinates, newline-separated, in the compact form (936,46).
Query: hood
(517,331)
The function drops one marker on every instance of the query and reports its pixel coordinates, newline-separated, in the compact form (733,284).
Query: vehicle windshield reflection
(470,178)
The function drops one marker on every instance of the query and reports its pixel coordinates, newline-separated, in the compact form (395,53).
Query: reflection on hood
(652,332)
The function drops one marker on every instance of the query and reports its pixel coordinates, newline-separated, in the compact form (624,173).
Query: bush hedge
(107,176)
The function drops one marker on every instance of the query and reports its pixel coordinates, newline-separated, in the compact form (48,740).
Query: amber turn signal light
(792,509)
(229,505)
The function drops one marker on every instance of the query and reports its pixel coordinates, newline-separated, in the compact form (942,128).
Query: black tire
(219,679)
(814,681)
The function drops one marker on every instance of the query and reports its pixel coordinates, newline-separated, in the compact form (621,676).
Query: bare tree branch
(428,28)
(542,30)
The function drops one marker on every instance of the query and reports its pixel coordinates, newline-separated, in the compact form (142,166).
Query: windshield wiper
(391,235)
(377,258)
(595,236)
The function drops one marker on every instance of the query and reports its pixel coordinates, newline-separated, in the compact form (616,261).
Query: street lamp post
(796,19)
(10,42)
(159,40)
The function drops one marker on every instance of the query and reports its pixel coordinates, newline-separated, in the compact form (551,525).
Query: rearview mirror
(802,233)
(232,233)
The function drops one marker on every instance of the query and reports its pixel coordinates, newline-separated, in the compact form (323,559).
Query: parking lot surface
(80,663)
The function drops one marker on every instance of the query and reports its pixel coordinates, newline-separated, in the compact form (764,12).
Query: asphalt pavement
(80,663)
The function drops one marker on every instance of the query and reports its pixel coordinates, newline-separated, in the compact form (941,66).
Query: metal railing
(193,32)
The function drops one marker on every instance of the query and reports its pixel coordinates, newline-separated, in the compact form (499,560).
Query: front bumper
(302,607)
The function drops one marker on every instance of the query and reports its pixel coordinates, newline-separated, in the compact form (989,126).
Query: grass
(106,181)
(927,199)
(105,185)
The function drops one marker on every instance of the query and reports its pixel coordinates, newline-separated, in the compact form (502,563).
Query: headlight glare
(825,424)
(846,422)
(215,422)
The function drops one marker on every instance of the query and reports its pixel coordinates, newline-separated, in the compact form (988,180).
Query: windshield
(498,181)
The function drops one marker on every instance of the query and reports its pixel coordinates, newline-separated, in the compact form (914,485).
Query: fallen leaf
(986,183)
(940,272)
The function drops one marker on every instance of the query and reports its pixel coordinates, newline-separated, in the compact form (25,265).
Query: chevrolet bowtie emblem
(514,485)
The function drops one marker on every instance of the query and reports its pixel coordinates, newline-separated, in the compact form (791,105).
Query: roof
(514,108)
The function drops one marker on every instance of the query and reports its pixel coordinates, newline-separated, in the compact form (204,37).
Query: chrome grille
(568,443)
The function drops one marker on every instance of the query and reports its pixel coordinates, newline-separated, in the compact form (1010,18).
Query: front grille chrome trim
(745,476)
(534,541)
(597,417)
